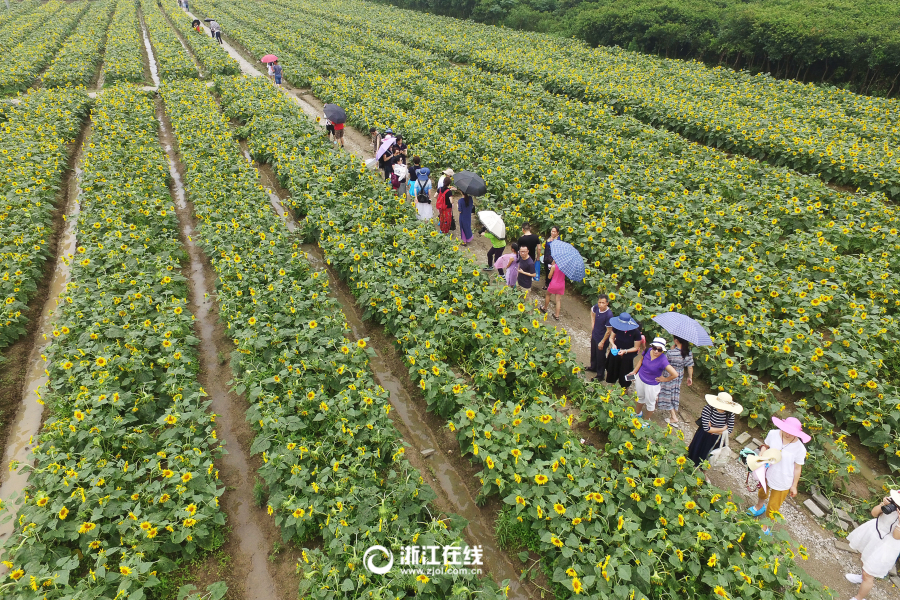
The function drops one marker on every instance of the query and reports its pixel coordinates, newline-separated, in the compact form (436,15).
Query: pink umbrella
(268,58)
(387,143)
(503,261)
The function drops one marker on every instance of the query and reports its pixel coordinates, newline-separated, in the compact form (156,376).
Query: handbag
(723,454)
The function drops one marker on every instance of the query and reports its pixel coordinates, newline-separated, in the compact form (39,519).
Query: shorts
(647,394)
(338,134)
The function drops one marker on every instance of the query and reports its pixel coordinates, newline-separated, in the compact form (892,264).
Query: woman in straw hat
(878,542)
(715,418)
(781,478)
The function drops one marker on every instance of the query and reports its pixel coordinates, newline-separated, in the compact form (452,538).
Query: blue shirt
(601,322)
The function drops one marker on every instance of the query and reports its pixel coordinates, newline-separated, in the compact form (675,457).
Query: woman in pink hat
(878,542)
(782,477)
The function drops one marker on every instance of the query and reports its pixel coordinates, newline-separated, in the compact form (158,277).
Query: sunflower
(540,479)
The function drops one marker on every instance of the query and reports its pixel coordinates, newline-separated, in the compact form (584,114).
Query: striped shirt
(712,418)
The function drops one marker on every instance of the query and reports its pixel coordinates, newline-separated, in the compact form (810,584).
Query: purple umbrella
(684,327)
(387,143)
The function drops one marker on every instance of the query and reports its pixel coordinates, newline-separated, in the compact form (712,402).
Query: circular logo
(369,560)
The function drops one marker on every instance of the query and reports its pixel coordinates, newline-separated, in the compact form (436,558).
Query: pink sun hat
(792,426)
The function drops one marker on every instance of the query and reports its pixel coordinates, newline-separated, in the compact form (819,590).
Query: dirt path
(24,374)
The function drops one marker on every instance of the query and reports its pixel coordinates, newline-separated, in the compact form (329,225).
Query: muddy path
(150,67)
(251,535)
(23,375)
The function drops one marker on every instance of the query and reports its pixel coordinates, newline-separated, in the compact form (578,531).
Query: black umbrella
(195,23)
(335,113)
(469,183)
(208,20)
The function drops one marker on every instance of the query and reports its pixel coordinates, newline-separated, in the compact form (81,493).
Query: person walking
(878,542)
(782,477)
(277,72)
(497,247)
(681,359)
(446,175)
(529,240)
(556,289)
(465,205)
(215,30)
(715,418)
(414,165)
(624,344)
(601,314)
(420,190)
(652,370)
(547,254)
(387,159)
(376,139)
(444,203)
(525,270)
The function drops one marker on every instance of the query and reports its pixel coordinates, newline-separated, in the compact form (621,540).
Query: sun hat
(769,457)
(895,496)
(659,342)
(623,322)
(389,130)
(792,426)
(422,174)
(448,172)
(724,401)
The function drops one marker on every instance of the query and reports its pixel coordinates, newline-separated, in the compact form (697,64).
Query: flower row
(36,137)
(333,462)
(171,56)
(124,481)
(123,60)
(630,522)
(214,59)
(24,21)
(77,61)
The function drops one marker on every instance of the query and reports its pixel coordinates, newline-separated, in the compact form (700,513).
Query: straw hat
(769,457)
(724,401)
(895,496)
(448,172)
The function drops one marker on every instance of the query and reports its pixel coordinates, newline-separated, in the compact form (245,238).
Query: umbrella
(503,261)
(387,143)
(268,58)
(567,259)
(469,183)
(195,22)
(493,222)
(335,113)
(684,327)
(208,20)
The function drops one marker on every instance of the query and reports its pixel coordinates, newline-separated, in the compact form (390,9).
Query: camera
(889,508)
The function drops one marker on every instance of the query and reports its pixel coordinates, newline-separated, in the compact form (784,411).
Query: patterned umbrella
(567,259)
(684,327)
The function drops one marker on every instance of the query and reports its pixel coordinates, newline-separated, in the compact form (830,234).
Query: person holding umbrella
(681,359)
(215,30)
(568,263)
(554,235)
(784,477)
(624,344)
(335,117)
(494,230)
(716,417)
(556,289)
(420,190)
(470,184)
(196,25)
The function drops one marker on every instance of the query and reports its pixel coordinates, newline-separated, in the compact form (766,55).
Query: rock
(428,452)
(758,442)
(841,545)
(814,509)
(842,514)
(843,525)
(893,571)
(752,446)
(896,581)
(822,501)
(743,438)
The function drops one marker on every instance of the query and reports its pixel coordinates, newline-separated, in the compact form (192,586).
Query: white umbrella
(493,222)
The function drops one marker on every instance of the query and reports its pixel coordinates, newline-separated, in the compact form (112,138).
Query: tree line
(845,43)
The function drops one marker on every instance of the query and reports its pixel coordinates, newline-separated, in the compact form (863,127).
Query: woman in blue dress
(466,205)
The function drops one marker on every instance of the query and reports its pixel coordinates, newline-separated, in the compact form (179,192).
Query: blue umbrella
(567,259)
(684,327)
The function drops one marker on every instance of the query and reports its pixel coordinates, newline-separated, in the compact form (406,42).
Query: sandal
(554,316)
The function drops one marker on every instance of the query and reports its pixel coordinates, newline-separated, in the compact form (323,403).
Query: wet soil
(150,67)
(22,375)
(184,45)
(252,535)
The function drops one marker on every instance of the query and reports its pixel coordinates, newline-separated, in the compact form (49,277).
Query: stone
(822,501)
(842,514)
(428,452)
(841,545)
(896,581)
(743,438)
(814,509)
(893,571)
(843,525)
(752,446)
(757,441)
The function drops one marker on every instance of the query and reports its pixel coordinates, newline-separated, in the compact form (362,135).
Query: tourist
(465,205)
(648,375)
(444,203)
(447,174)
(878,542)
(624,345)
(525,270)
(601,314)
(782,477)
(420,190)
(715,418)
(376,139)
(529,240)
(414,166)
(215,30)
(497,247)
(681,358)
(277,72)
(402,150)
(508,265)
(556,289)
(339,133)
(329,129)
(554,235)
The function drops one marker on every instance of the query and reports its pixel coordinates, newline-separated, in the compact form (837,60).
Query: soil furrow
(24,373)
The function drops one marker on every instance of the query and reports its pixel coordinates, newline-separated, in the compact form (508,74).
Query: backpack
(422,196)
(395,181)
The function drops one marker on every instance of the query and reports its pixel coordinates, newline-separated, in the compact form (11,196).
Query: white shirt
(780,476)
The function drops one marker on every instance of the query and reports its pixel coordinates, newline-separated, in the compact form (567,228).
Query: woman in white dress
(420,190)
(878,542)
